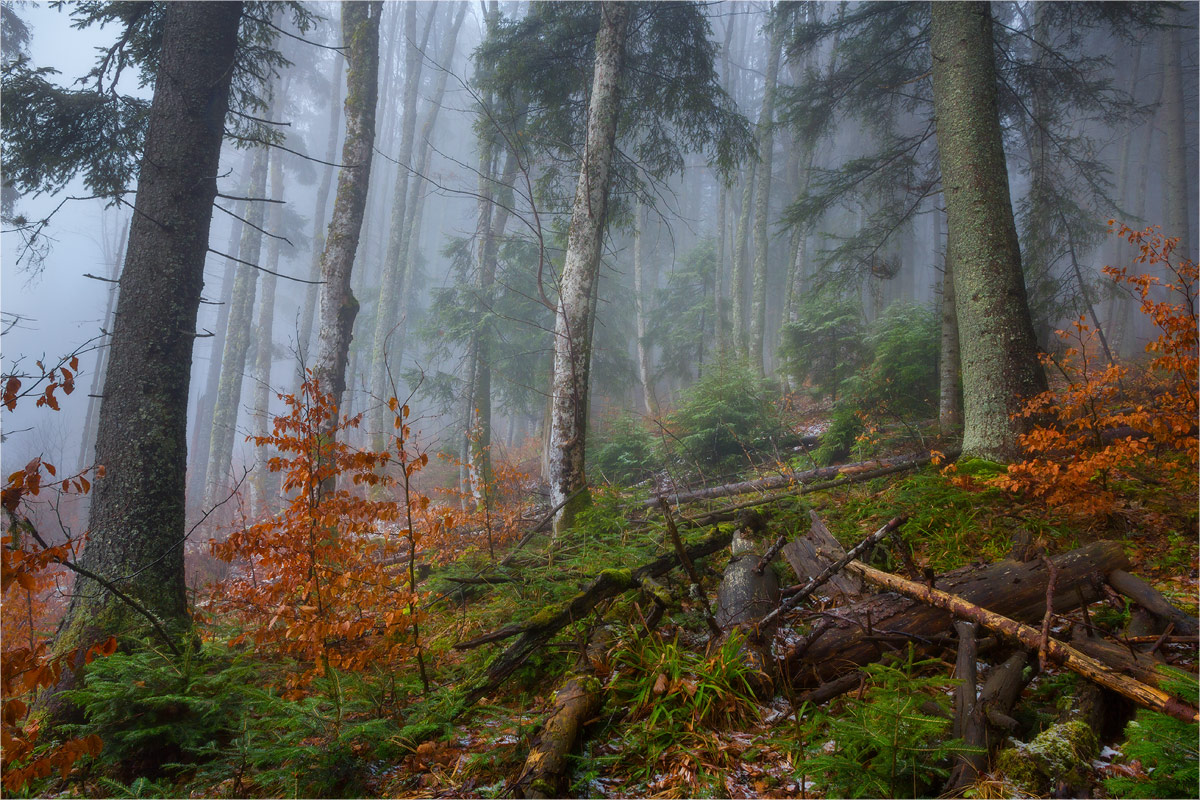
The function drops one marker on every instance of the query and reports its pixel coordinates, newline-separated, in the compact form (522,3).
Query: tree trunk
(998,349)
(309,313)
(1179,217)
(572,345)
(949,399)
(395,258)
(360,31)
(206,405)
(415,205)
(136,521)
(264,344)
(640,292)
(737,283)
(237,340)
(762,198)
(92,420)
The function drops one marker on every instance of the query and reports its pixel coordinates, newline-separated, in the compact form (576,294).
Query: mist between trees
(555,232)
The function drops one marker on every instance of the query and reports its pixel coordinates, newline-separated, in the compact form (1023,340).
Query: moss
(1061,753)
(544,617)
(620,577)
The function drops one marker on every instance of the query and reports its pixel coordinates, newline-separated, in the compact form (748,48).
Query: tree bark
(237,341)
(136,521)
(395,258)
(264,344)
(360,32)
(640,301)
(762,198)
(999,352)
(572,344)
(1014,589)
(309,312)
(949,398)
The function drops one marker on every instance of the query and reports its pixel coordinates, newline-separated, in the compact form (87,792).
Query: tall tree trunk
(479,417)
(415,204)
(206,406)
(721,293)
(999,353)
(640,292)
(360,31)
(1179,217)
(237,340)
(309,313)
(737,282)
(136,520)
(92,420)
(949,404)
(264,349)
(572,347)
(395,259)
(762,199)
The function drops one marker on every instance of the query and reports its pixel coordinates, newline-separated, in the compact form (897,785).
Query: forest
(731,398)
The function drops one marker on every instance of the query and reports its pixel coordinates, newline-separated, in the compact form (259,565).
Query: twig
(769,556)
(681,552)
(1044,647)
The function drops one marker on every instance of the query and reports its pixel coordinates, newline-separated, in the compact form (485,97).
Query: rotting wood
(812,553)
(1027,636)
(536,632)
(743,598)
(1011,588)
(989,723)
(1121,658)
(1152,600)
(817,580)
(964,671)
(576,702)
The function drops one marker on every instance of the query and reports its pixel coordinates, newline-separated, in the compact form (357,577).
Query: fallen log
(1079,663)
(743,598)
(1152,600)
(989,722)
(1123,659)
(536,632)
(812,553)
(790,479)
(1011,588)
(576,702)
(833,569)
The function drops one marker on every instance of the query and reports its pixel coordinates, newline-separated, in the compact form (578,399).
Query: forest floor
(676,712)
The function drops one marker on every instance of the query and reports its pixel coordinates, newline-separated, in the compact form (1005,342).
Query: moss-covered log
(576,702)
(536,632)
(1011,588)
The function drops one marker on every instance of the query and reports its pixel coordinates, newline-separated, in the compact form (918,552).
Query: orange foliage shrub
(29,571)
(1104,421)
(319,582)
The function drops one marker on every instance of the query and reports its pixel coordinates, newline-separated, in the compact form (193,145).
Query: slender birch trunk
(572,348)
(360,31)
(640,291)
(395,258)
(237,340)
(264,345)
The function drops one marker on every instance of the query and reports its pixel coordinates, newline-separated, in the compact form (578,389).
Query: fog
(882,244)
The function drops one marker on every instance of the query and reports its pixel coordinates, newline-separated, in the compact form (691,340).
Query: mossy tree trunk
(949,400)
(360,33)
(998,349)
(136,521)
(572,343)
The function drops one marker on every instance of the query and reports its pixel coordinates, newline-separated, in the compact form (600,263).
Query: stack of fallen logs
(1013,601)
